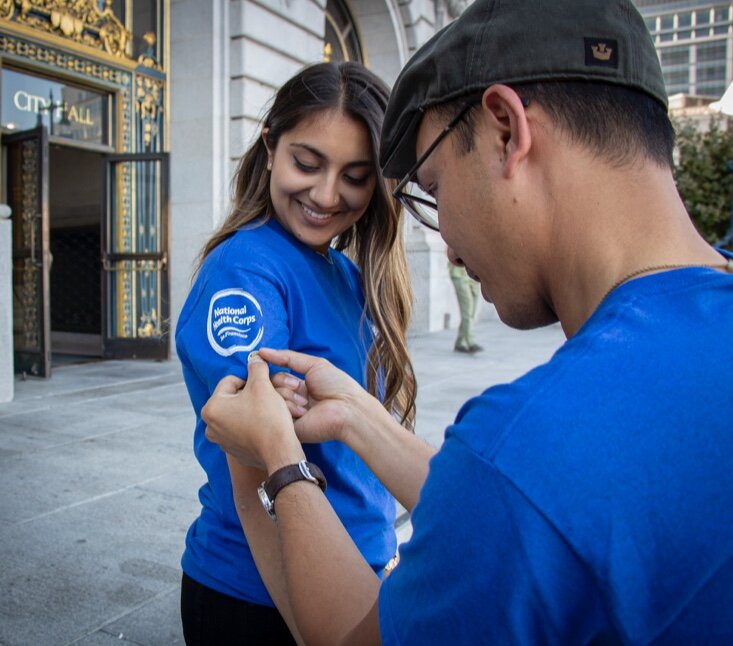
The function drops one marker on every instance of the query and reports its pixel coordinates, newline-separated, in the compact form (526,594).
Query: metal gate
(27,155)
(135,257)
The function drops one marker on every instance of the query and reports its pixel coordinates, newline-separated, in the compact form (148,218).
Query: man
(468,295)
(590,500)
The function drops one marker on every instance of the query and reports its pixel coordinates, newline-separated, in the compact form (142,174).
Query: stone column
(6,305)
(199,158)
(434,305)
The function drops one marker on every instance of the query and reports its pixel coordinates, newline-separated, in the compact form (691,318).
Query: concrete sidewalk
(99,485)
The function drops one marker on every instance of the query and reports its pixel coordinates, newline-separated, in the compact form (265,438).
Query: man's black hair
(617,123)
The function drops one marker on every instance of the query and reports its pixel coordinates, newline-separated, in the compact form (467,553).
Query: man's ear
(507,114)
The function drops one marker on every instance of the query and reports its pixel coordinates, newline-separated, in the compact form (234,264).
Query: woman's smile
(314,214)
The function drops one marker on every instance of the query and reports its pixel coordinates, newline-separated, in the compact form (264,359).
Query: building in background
(228,57)
(83,107)
(121,125)
(695,46)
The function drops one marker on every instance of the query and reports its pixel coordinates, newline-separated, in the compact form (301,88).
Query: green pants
(468,293)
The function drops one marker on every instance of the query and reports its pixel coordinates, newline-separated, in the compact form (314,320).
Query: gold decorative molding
(80,21)
(147,58)
(148,106)
(6,8)
(124,142)
(149,325)
(62,60)
(125,238)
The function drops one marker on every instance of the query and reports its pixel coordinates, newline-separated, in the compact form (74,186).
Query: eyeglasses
(422,207)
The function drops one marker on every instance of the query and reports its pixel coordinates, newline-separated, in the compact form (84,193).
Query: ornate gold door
(135,257)
(27,163)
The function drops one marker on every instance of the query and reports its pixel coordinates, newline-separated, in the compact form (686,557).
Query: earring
(269,164)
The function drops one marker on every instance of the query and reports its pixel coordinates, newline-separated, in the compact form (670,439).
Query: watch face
(266,502)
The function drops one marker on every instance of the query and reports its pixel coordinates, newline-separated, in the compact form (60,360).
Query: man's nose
(454,258)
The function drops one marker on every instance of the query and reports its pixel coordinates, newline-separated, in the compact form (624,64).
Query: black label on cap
(601,52)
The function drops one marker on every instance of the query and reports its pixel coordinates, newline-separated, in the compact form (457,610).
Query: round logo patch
(235,322)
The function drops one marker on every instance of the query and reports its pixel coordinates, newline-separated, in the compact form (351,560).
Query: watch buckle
(303,466)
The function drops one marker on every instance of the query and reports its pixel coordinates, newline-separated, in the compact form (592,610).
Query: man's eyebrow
(321,155)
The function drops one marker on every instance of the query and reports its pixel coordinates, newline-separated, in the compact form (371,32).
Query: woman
(308,196)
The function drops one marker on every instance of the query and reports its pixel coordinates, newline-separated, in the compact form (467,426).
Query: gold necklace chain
(728,266)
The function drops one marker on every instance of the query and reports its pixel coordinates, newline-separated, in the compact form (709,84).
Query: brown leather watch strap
(293,473)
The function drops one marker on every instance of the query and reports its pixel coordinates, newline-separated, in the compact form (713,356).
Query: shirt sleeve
(484,566)
(236,310)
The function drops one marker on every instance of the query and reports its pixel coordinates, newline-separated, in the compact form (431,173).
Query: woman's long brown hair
(375,242)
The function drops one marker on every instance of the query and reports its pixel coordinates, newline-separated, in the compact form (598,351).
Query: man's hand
(251,421)
(338,408)
(325,403)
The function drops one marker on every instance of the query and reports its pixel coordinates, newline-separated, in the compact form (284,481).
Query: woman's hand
(251,421)
(326,403)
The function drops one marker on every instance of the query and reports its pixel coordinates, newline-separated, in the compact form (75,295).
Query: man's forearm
(331,588)
(397,457)
(262,537)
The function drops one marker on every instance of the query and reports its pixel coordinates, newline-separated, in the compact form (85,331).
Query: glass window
(667,22)
(675,56)
(684,19)
(66,110)
(711,73)
(118,8)
(710,89)
(715,51)
(676,77)
(145,20)
(684,35)
(651,24)
(721,14)
(702,17)
(341,41)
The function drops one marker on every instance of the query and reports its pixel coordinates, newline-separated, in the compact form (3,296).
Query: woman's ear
(506,112)
(270,153)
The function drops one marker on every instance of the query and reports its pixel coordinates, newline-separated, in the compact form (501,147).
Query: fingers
(257,369)
(230,385)
(296,361)
(286,380)
(297,405)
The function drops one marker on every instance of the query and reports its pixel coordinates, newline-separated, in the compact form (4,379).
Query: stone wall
(228,57)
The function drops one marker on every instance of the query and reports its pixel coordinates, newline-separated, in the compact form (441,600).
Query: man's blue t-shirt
(591,498)
(263,287)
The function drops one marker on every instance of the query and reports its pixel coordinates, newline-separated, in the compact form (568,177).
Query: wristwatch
(269,488)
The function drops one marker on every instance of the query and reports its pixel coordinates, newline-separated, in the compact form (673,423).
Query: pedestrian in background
(308,197)
(588,501)
(468,294)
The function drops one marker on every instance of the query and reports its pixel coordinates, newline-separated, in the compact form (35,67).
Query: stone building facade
(229,57)
(121,124)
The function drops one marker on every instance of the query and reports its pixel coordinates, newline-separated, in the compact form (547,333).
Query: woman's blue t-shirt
(263,287)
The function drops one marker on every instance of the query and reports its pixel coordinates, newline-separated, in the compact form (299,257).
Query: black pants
(211,618)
